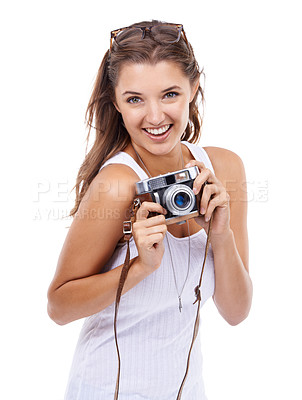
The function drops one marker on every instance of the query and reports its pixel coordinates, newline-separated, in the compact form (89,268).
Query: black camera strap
(127,230)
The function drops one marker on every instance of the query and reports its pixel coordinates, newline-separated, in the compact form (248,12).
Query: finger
(197,163)
(152,221)
(218,201)
(148,207)
(155,239)
(157,229)
(209,191)
(149,241)
(205,176)
(143,231)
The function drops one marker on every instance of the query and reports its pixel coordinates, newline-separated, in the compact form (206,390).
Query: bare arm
(78,289)
(229,239)
(82,297)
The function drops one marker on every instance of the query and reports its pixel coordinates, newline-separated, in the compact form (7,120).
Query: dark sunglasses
(161,33)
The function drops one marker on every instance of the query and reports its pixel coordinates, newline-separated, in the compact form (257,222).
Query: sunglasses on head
(161,33)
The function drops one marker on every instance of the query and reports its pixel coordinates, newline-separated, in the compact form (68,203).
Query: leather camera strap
(127,229)
(198,299)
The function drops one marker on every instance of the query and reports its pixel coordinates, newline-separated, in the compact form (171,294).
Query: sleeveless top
(154,337)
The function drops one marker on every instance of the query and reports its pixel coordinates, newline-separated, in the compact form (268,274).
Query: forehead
(151,76)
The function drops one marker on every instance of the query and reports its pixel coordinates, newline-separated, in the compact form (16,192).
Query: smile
(159,131)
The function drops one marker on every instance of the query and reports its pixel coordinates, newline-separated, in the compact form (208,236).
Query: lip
(159,138)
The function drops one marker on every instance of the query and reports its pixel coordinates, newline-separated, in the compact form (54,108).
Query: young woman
(144,107)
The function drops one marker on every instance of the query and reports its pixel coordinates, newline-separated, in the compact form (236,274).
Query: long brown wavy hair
(110,134)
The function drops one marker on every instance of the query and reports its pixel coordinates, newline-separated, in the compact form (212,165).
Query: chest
(181,230)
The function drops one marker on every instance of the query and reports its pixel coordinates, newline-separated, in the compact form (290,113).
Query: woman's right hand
(149,234)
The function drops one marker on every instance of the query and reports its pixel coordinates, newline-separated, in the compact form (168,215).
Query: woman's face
(154,103)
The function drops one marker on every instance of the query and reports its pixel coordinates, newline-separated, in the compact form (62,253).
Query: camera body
(174,191)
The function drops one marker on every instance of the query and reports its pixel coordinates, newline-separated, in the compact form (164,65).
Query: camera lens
(179,199)
(182,200)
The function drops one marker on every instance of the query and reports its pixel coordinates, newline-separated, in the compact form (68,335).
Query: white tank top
(154,337)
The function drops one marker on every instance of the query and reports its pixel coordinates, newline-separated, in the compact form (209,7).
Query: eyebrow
(163,91)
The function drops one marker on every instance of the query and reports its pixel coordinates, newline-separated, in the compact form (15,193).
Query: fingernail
(195,190)
(202,210)
(207,219)
(188,165)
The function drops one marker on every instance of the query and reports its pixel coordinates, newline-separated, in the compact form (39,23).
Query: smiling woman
(157,115)
(145,110)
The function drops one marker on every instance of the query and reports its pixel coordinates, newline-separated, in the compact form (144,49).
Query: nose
(154,114)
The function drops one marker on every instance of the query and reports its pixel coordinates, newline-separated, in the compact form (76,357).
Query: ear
(194,89)
(116,106)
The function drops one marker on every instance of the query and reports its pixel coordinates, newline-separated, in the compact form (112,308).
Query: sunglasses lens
(166,33)
(128,34)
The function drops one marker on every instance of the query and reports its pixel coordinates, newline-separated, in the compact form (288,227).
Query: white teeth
(159,131)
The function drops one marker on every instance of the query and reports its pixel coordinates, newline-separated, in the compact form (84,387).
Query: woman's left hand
(214,200)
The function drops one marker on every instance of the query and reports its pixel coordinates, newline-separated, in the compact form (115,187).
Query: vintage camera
(174,192)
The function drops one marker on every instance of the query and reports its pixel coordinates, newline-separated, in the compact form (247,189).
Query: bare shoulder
(223,160)
(98,224)
(116,170)
(229,169)
(109,198)
(114,182)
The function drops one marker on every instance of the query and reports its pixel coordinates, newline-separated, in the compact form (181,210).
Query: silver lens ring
(170,199)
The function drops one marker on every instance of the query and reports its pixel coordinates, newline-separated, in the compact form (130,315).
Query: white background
(251,53)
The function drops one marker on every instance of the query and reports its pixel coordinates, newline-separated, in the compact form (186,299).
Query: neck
(159,164)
